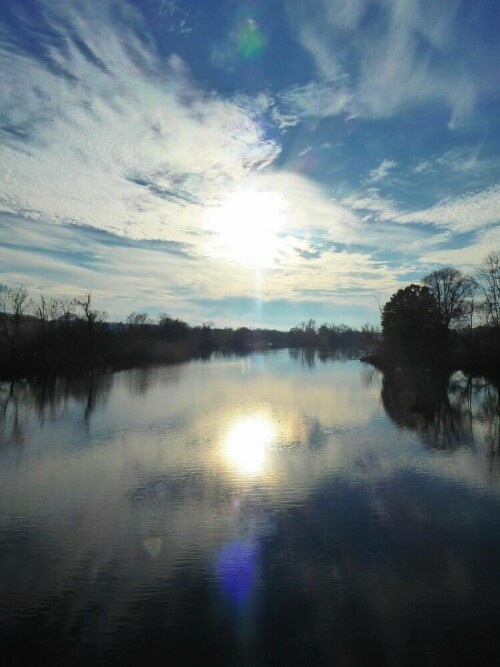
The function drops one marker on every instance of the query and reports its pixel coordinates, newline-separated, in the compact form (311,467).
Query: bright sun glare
(247,442)
(247,225)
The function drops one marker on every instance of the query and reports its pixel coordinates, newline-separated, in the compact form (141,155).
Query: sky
(249,163)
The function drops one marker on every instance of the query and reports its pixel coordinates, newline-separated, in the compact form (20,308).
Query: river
(281,508)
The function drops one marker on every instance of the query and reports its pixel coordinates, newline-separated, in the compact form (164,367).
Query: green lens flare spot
(251,42)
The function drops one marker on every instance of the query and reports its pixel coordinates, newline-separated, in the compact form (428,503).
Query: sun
(247,226)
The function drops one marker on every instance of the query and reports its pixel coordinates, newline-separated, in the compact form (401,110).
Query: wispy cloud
(101,132)
(381,172)
(126,275)
(312,100)
(370,203)
(469,255)
(464,213)
(423,167)
(177,18)
(461,160)
(403,58)
(123,274)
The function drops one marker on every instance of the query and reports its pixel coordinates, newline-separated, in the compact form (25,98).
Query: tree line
(48,334)
(450,319)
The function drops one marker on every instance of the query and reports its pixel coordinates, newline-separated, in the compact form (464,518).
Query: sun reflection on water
(247,442)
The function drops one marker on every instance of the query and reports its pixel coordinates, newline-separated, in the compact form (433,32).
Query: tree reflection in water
(309,355)
(50,397)
(447,411)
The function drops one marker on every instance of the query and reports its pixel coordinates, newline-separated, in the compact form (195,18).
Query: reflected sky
(236,491)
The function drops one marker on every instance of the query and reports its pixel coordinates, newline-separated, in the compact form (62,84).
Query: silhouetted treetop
(452,292)
(411,319)
(489,286)
(138,319)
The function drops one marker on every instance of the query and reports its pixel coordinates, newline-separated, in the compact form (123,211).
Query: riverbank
(474,363)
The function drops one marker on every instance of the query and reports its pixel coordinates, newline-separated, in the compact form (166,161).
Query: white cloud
(401,55)
(64,259)
(354,273)
(423,167)
(309,205)
(312,100)
(468,257)
(381,172)
(346,15)
(124,278)
(460,160)
(465,213)
(371,202)
(67,261)
(122,142)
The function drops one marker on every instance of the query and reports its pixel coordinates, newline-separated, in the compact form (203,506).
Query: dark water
(278,509)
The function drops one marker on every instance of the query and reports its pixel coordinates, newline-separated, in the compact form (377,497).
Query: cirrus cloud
(119,139)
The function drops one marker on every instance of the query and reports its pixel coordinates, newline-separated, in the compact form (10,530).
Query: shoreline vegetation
(447,323)
(450,322)
(54,336)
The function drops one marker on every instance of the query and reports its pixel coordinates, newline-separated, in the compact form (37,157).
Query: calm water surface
(276,509)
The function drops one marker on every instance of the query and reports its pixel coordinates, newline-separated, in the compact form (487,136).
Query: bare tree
(489,286)
(64,309)
(453,292)
(41,308)
(470,313)
(14,304)
(91,315)
(138,319)
(50,309)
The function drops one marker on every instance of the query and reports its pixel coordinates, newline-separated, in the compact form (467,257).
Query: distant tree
(14,304)
(139,319)
(41,308)
(411,320)
(163,318)
(324,335)
(64,310)
(310,333)
(172,329)
(369,337)
(47,309)
(304,334)
(91,315)
(206,336)
(489,287)
(453,292)
(243,338)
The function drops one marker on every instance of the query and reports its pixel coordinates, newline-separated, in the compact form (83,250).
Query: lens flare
(236,568)
(250,40)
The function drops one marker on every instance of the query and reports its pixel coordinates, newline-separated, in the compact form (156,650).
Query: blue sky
(252,163)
